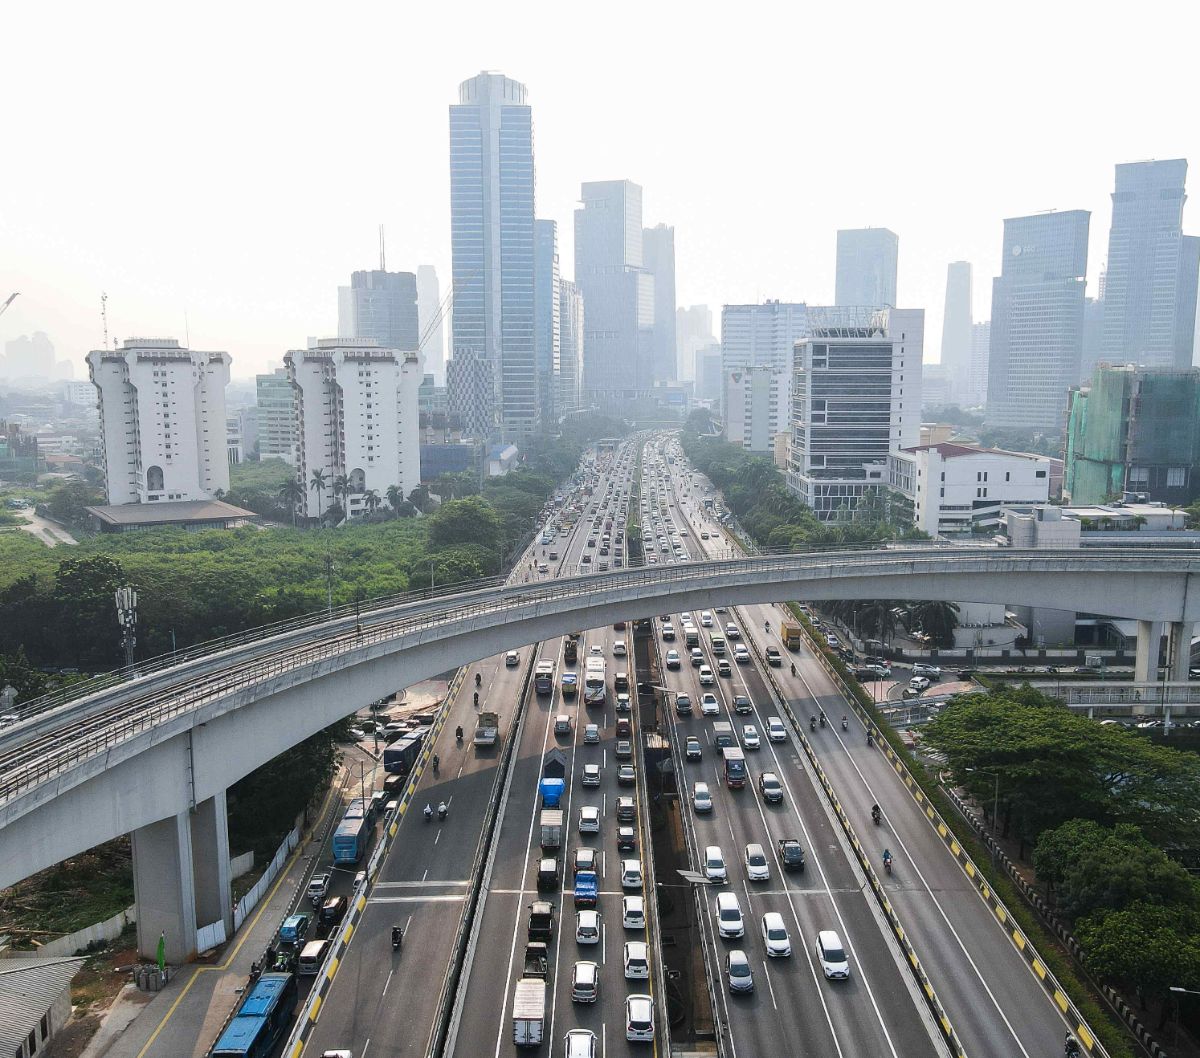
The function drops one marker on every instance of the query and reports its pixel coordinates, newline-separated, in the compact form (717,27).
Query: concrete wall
(108,930)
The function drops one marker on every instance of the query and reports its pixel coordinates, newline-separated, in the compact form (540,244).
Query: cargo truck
(487,729)
(586,889)
(529,1012)
(537,960)
(571,648)
(791,633)
(551,828)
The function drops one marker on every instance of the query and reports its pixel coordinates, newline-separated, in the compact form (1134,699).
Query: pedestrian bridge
(153,754)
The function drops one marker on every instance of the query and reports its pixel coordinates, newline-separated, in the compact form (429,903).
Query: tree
(84,591)
(470,521)
(341,487)
(317,484)
(936,619)
(419,498)
(291,492)
(1150,946)
(395,497)
(16,672)
(335,514)
(372,500)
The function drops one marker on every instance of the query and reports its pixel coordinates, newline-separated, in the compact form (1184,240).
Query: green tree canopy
(1150,946)
(469,521)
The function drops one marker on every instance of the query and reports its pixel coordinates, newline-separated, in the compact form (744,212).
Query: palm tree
(317,484)
(395,496)
(937,619)
(372,500)
(340,487)
(291,493)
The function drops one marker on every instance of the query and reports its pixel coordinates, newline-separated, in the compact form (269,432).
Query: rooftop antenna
(382,253)
(104,317)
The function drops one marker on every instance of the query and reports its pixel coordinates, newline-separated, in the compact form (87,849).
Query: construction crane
(11,299)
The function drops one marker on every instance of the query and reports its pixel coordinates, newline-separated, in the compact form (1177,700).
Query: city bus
(260,1020)
(543,677)
(350,840)
(594,690)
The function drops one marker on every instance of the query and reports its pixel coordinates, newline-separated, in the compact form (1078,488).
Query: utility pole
(126,599)
(329,570)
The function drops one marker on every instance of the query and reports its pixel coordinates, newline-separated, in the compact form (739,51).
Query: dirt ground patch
(92,993)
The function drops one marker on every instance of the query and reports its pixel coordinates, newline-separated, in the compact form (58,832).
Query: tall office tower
(658,253)
(494,385)
(429,302)
(162,418)
(569,388)
(707,373)
(956,333)
(1134,430)
(693,332)
(276,402)
(380,305)
(866,267)
(856,398)
(547,317)
(1150,286)
(618,294)
(981,348)
(1092,344)
(757,348)
(1037,320)
(357,418)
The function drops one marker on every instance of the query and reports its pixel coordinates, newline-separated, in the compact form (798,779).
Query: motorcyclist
(822,719)
(812,723)
(442,810)
(845,722)
(476,700)
(428,811)
(478,680)
(887,859)
(1071,1047)
(436,761)
(793,668)
(767,626)
(870,739)
(458,733)
(875,813)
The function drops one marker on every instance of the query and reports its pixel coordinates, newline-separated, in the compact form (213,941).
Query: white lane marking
(771,987)
(391,974)
(432,898)
(366,1047)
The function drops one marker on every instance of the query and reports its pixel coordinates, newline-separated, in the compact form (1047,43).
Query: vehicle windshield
(835,955)
(739,969)
(776,933)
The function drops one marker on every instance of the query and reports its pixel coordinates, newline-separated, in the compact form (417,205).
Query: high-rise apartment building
(981,349)
(693,332)
(569,382)
(707,373)
(380,305)
(956,333)
(618,293)
(866,267)
(357,418)
(1134,430)
(547,316)
(162,418)
(276,401)
(1150,283)
(1037,320)
(493,381)
(757,349)
(856,399)
(429,303)
(658,255)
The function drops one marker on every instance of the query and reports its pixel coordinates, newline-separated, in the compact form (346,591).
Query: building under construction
(1134,432)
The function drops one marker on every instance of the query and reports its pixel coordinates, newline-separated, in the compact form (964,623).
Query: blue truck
(551,791)
(585,889)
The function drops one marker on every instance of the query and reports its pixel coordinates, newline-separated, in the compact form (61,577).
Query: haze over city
(218,175)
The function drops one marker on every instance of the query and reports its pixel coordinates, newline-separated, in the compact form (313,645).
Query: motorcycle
(887,862)
(875,814)
(478,680)
(845,724)
(822,719)
(476,699)
(1071,1047)
(442,810)
(812,723)
(793,668)
(436,762)
(870,739)
(428,813)
(458,734)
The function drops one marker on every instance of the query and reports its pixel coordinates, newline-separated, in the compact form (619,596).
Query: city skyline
(298,231)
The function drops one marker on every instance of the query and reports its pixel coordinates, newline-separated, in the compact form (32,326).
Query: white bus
(594,690)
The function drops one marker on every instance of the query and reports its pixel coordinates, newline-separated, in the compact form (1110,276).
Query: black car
(624,750)
(626,776)
(770,787)
(626,839)
(332,912)
(791,854)
(692,748)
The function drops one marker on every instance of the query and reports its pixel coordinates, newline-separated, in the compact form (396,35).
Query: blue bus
(260,1020)
(400,757)
(350,840)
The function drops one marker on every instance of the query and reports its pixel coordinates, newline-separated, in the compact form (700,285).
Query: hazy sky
(230,162)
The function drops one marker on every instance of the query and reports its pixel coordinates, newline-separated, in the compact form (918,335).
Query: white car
(701,798)
(589,820)
(707,679)
(596,651)
(750,739)
(758,869)
(729,916)
(591,775)
(775,935)
(919,683)
(512,659)
(631,874)
(637,960)
(639,1018)
(668,631)
(714,864)
(591,733)
(732,631)
(709,706)
(633,912)
(741,655)
(706,618)
(619,650)
(673,659)
(776,732)
(832,641)
(587,927)
(832,956)
(585,859)
(737,969)
(920,668)
(579,1043)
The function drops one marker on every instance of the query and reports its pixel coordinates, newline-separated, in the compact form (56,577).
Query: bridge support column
(1149,640)
(181,879)
(1179,650)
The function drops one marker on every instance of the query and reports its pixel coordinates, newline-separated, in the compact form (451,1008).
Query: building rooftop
(171,513)
(28,988)
(954,450)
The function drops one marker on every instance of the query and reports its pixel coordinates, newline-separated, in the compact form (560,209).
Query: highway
(793,1008)
(997,1006)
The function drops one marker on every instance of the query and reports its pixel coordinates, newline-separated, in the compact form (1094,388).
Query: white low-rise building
(357,418)
(958,489)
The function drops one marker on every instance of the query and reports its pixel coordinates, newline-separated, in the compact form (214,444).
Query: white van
(311,957)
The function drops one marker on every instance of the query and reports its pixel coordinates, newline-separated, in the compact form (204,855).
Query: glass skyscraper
(1037,320)
(492,376)
(866,267)
(1150,289)
(380,305)
(546,303)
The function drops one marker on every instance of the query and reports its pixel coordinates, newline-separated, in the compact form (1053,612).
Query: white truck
(529,1012)
(487,729)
